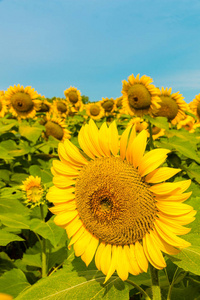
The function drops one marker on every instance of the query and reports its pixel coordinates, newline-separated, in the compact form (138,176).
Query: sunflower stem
(139,289)
(151,136)
(156,292)
(43,243)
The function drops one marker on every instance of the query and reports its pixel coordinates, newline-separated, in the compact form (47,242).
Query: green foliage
(29,239)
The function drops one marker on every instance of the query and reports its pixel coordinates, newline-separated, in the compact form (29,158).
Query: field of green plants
(35,260)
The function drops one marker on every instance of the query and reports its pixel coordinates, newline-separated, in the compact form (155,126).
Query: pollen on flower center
(94,110)
(168,109)
(139,97)
(22,102)
(73,97)
(113,202)
(61,107)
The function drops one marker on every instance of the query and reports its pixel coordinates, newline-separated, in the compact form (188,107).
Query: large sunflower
(95,111)
(140,96)
(172,106)
(22,102)
(115,206)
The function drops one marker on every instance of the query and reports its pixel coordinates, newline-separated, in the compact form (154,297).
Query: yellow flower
(157,132)
(172,106)
(94,111)
(56,127)
(73,96)
(195,106)
(139,123)
(108,104)
(22,102)
(114,205)
(140,96)
(45,105)
(187,123)
(34,191)
(3,107)
(60,107)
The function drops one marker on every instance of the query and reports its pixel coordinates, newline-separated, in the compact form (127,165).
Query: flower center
(62,107)
(1,106)
(34,194)
(54,129)
(198,110)
(108,105)
(44,107)
(155,130)
(94,110)
(73,97)
(168,108)
(139,97)
(113,202)
(22,102)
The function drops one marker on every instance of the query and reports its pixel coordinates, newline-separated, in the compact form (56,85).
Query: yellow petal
(140,257)
(131,139)
(63,181)
(66,217)
(57,195)
(181,219)
(113,264)
(123,142)
(161,174)
(89,142)
(137,148)
(173,208)
(64,207)
(133,264)
(83,143)
(98,255)
(113,138)
(65,169)
(153,253)
(173,197)
(76,236)
(73,226)
(173,226)
(164,247)
(169,187)
(105,259)
(168,236)
(104,139)
(88,255)
(93,133)
(152,160)
(122,264)
(81,244)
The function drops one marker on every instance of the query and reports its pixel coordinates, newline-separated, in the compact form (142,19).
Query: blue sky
(95,44)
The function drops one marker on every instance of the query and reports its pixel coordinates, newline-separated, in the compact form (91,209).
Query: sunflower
(3,107)
(140,96)
(188,124)
(73,96)
(139,124)
(60,107)
(34,191)
(115,206)
(156,132)
(172,106)
(195,106)
(56,127)
(22,102)
(95,111)
(118,102)
(45,105)
(108,104)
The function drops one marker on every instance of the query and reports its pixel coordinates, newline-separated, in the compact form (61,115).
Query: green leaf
(19,177)
(5,127)
(4,154)
(10,204)
(13,282)
(14,220)
(45,175)
(5,175)
(189,258)
(32,133)
(7,237)
(69,285)
(32,260)
(160,122)
(48,230)
(6,263)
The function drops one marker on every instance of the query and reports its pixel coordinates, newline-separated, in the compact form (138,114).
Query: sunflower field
(99,200)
